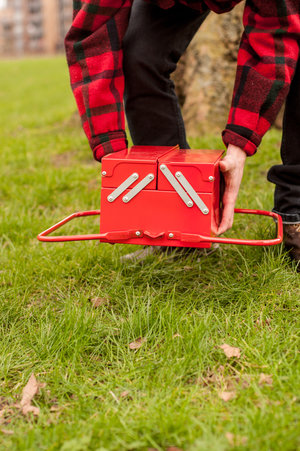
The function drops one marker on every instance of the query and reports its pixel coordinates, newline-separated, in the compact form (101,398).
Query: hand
(232,167)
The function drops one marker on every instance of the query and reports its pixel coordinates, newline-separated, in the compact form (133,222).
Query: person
(128,49)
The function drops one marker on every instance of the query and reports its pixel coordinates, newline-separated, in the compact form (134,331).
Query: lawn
(69,311)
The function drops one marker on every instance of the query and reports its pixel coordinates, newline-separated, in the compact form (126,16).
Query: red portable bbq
(161,196)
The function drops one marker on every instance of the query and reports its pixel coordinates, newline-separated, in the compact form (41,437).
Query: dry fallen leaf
(263,322)
(177,336)
(97,302)
(124,394)
(265,379)
(54,409)
(231,351)
(137,343)
(7,432)
(230,437)
(29,391)
(235,440)
(227,395)
(188,268)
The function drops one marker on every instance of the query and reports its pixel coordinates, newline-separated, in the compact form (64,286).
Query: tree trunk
(205,75)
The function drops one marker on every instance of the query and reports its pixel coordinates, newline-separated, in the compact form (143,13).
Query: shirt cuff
(108,143)
(249,144)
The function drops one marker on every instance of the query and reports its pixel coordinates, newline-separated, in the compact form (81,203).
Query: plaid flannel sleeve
(95,58)
(266,63)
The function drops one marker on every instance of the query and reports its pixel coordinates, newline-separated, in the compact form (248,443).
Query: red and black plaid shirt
(267,59)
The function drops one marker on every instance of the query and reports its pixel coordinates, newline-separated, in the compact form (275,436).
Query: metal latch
(187,186)
(178,188)
(190,190)
(123,187)
(138,188)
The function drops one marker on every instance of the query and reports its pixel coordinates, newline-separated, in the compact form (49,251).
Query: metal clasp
(138,188)
(177,187)
(190,190)
(123,187)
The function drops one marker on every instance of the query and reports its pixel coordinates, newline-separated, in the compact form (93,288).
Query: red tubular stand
(123,236)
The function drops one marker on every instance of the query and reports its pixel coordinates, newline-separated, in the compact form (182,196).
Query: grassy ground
(100,394)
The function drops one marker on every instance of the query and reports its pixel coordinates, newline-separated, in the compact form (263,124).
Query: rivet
(110,199)
(171,235)
(205,211)
(162,167)
(211,178)
(151,176)
(135,175)
(104,173)
(125,199)
(190,203)
(138,233)
(178,174)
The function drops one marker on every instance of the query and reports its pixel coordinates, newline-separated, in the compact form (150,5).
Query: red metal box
(159,189)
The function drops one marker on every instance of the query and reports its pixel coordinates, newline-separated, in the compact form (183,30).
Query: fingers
(214,224)
(227,218)
(233,178)
(232,167)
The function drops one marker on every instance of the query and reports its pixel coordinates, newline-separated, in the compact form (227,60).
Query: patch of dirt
(224,382)
(94,185)
(63,159)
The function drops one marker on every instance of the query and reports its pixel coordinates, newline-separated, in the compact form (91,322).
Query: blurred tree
(205,75)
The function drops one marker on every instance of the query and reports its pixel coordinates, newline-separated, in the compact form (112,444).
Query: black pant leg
(287,175)
(153,44)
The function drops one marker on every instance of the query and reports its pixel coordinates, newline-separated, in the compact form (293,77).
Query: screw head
(125,199)
(138,233)
(178,174)
(135,175)
(110,199)
(171,235)
(190,203)
(151,176)
(104,173)
(211,178)
(162,167)
(205,211)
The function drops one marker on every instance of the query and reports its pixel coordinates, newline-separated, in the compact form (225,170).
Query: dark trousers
(154,42)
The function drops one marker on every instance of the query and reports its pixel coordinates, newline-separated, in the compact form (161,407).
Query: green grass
(246,297)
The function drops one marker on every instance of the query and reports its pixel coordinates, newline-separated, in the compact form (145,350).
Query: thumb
(225,165)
